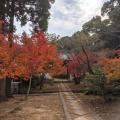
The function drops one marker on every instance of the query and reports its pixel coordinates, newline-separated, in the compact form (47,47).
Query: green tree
(112,35)
(106,29)
(73,44)
(35,11)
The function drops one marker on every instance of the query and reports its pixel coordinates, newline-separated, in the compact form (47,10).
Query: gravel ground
(43,107)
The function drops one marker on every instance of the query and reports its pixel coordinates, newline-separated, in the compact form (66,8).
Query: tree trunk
(2,13)
(41,84)
(28,88)
(42,81)
(2,90)
(2,10)
(88,62)
(76,80)
(11,27)
(8,88)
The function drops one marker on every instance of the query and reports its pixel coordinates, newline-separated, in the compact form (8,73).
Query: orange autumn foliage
(40,56)
(52,61)
(7,55)
(28,55)
(111,68)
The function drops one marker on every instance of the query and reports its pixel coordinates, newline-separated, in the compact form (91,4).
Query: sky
(68,16)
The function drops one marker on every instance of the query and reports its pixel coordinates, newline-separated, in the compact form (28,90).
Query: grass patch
(15,110)
(17,102)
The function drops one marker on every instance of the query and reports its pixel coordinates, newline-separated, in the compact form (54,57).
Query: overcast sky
(68,16)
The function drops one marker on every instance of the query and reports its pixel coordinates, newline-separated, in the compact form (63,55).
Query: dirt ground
(42,107)
(48,106)
(107,111)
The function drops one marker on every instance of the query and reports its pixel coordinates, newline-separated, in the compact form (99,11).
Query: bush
(113,88)
(95,83)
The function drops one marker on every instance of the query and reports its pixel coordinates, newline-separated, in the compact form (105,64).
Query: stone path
(74,108)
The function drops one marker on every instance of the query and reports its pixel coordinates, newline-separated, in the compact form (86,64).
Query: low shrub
(95,83)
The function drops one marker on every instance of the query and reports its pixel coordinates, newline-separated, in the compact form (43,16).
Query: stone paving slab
(85,117)
(75,108)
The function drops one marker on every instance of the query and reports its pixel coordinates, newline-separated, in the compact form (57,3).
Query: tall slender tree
(35,11)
